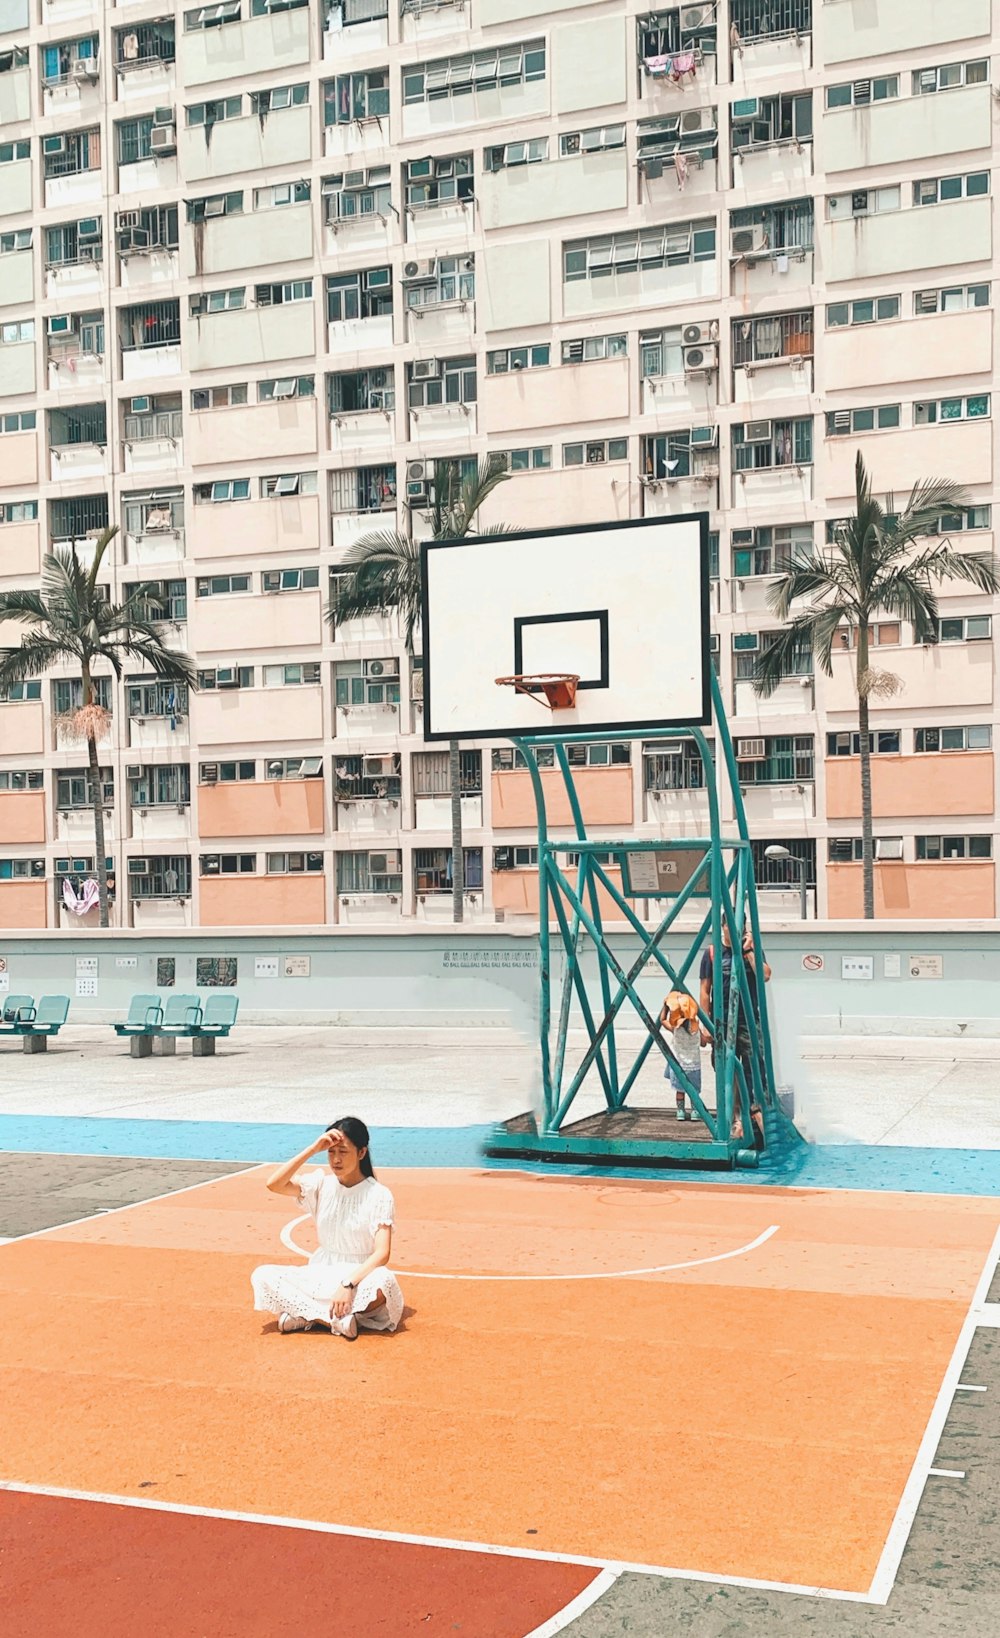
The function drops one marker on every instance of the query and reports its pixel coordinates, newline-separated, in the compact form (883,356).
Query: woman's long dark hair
(356,1132)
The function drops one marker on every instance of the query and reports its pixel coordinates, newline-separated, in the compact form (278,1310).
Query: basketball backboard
(624,606)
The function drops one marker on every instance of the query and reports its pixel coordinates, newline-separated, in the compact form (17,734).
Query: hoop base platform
(625,1137)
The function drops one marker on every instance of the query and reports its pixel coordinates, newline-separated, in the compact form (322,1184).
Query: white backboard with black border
(625,606)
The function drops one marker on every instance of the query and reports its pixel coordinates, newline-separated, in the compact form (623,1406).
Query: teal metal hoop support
(572,907)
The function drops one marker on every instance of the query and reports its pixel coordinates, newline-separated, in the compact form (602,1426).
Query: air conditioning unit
(163,116)
(694,335)
(743,537)
(210,773)
(85,70)
(419,270)
(382,668)
(746,108)
(385,864)
(140,406)
(138,867)
(704,437)
(227,676)
(89,228)
(418,474)
(695,17)
(58,325)
(53,145)
(163,139)
(701,358)
(757,432)
(751,750)
(424,369)
(379,767)
(698,119)
(888,847)
(354,179)
(749,241)
(133,770)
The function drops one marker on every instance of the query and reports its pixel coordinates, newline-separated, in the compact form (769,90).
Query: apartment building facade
(266,266)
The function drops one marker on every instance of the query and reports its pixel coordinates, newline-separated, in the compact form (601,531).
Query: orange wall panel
(22,816)
(912,786)
(516,892)
(605,797)
(263,901)
(949,891)
(23,904)
(272,807)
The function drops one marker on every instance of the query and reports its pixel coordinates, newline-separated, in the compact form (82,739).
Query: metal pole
(803,901)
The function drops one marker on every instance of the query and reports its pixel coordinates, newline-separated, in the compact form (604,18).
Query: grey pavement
(44,1191)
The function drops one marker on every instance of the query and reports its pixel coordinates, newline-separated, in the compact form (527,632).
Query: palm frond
(385,576)
(912,598)
(473,492)
(166,663)
(811,574)
(773,664)
(28,606)
(34,657)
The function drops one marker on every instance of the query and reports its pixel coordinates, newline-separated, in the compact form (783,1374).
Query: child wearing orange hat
(679,1015)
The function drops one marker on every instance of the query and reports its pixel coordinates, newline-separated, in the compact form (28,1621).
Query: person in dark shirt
(742,1043)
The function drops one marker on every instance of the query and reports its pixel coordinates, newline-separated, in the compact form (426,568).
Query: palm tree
(71,618)
(385,576)
(875,565)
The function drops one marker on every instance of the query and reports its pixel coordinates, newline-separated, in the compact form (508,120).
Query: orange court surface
(697,1380)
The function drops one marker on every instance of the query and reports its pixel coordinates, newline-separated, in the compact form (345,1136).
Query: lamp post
(778,851)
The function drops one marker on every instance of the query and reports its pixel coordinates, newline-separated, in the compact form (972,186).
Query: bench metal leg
(141,1046)
(34,1043)
(167,1046)
(203,1046)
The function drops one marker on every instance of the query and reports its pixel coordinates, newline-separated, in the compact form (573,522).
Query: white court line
(130,1205)
(288,1240)
(887,1569)
(968,1387)
(614,1567)
(577,1606)
(945,1473)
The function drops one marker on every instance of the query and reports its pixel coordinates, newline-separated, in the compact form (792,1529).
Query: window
(661,352)
(18,421)
(538,459)
(16,692)
(596,452)
(592,141)
(366,683)
(17,57)
(359,295)
(77,333)
(166,599)
(162,420)
(945,848)
(288,386)
(212,113)
(368,778)
(229,676)
(19,511)
(478,71)
(151,324)
(507,155)
(770,230)
(226,773)
(357,193)
(291,676)
(863,202)
(290,864)
(766,549)
(282,580)
(154,228)
(666,455)
(763,19)
(224,585)
(278,97)
(771,340)
(455,383)
(228,864)
(224,489)
(841,422)
(973,408)
(59,61)
(155,512)
(217,301)
(589,348)
(357,391)
(780,759)
(672,765)
(262,8)
(747,645)
(70,519)
(135,139)
(515,858)
(356,97)
(764,121)
(505,359)
(278,295)
(431,772)
(605,754)
(161,787)
(977,738)
(203,398)
(883,634)
(363,489)
(15,869)
(969,628)
(432,869)
(141,44)
(149,698)
(644,251)
(67,694)
(359,11)
(18,240)
(956,299)
(280,194)
(167,876)
(214,16)
(215,204)
(370,872)
(862,92)
(450,279)
(445,181)
(760,444)
(71,153)
(294,767)
(11,152)
(937,190)
(65,246)
(288,483)
(22,779)
(74,788)
(883,743)
(971,517)
(869,310)
(927,80)
(19,330)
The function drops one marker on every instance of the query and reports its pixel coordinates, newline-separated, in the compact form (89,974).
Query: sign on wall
(892,966)
(265,966)
(813,963)
(857,967)
(926,966)
(86,967)
(86,984)
(298,966)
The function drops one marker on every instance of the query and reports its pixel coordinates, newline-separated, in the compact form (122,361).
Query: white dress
(346,1224)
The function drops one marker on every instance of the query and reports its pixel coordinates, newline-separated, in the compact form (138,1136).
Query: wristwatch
(349,1285)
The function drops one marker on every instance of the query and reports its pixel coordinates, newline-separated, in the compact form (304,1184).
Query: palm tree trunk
(457,852)
(97,804)
(867,865)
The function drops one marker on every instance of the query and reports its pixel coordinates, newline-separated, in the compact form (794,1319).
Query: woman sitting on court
(347,1282)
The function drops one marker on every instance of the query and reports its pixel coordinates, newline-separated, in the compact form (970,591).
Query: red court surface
(753,1417)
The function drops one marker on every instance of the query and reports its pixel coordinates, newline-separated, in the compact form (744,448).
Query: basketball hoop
(559,687)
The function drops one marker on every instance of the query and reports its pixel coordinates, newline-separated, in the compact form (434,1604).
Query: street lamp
(778,851)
